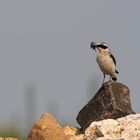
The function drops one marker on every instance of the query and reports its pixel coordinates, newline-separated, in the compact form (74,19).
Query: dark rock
(112,101)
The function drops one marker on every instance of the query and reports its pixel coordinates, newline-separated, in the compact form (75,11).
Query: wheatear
(105,60)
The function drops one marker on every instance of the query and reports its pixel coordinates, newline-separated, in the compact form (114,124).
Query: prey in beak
(93,46)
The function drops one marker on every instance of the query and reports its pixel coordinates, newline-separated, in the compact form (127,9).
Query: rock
(8,138)
(126,128)
(77,137)
(73,133)
(70,130)
(47,128)
(111,101)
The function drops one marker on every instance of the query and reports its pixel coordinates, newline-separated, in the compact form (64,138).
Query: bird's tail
(114,78)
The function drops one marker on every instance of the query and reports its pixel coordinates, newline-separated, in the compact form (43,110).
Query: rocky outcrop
(47,128)
(112,101)
(126,128)
(105,117)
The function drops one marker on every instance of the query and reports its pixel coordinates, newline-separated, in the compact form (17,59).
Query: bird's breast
(106,64)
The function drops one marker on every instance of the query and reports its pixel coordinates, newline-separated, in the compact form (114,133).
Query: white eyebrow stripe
(102,43)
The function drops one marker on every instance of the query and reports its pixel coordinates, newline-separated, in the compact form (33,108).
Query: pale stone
(126,128)
(77,137)
(70,130)
(73,133)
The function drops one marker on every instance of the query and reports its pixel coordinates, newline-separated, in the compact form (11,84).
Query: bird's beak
(93,46)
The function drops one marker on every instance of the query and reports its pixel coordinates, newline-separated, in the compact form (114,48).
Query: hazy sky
(45,44)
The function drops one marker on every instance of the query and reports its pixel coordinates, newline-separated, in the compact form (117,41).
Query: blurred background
(46,64)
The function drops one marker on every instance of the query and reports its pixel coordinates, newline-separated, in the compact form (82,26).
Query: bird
(105,60)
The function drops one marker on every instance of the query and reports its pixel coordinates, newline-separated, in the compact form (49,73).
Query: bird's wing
(113,58)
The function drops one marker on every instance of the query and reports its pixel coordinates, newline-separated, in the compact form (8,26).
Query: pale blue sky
(45,43)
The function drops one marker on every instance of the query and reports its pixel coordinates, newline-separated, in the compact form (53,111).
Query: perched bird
(105,60)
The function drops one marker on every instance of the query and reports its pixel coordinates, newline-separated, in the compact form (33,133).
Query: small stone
(70,130)
(73,133)
(77,137)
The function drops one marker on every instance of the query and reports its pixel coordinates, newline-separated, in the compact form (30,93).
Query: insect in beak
(93,46)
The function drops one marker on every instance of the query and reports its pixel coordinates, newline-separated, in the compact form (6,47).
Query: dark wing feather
(113,58)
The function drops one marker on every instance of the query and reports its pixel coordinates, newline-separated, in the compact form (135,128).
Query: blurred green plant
(12,133)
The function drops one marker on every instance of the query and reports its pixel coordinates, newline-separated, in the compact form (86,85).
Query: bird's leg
(110,78)
(103,79)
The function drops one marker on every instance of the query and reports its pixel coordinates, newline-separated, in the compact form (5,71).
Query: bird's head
(101,46)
